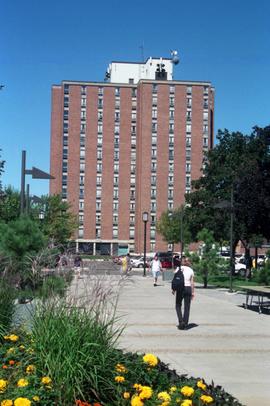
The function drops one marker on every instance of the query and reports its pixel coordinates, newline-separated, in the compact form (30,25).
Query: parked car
(166,259)
(139,262)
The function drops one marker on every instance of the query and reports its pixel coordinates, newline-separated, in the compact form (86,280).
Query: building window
(117,91)
(133,115)
(100,91)
(81,205)
(154,152)
(154,101)
(100,128)
(98,206)
(205,142)
(154,113)
(117,116)
(153,180)
(100,115)
(115,180)
(98,233)
(188,141)
(188,115)
(154,88)
(172,89)
(171,114)
(154,127)
(188,168)
(153,206)
(171,101)
(205,115)
(99,167)
(205,128)
(131,233)
(189,102)
(188,128)
(116,129)
(154,140)
(100,103)
(171,154)
(116,168)
(98,181)
(134,92)
(171,127)
(153,166)
(99,154)
(82,167)
(189,89)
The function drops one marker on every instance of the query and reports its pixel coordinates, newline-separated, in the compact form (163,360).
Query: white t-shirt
(188,274)
(156,265)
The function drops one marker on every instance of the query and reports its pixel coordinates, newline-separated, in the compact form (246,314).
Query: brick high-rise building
(130,144)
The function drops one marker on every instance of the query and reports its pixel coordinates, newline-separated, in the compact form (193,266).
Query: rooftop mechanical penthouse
(130,144)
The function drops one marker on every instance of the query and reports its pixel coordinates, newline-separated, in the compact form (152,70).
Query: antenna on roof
(175,57)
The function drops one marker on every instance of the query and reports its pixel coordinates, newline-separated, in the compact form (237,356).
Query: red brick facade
(115,154)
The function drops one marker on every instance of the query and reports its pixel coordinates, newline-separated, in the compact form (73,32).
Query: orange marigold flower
(4,366)
(11,362)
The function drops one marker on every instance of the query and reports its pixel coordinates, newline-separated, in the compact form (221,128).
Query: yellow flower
(30,369)
(187,391)
(165,404)
(3,385)
(173,389)
(150,359)
(22,402)
(119,379)
(206,399)
(6,402)
(46,380)
(137,386)
(120,368)
(201,385)
(13,337)
(126,395)
(36,398)
(164,396)
(22,382)
(145,392)
(136,401)
(10,350)
(22,347)
(186,402)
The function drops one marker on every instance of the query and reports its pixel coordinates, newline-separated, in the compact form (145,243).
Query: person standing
(156,268)
(125,264)
(185,293)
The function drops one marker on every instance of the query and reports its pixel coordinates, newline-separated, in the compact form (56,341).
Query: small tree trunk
(205,279)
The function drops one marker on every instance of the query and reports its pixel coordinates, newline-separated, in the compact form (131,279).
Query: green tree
(59,222)
(169,226)
(240,164)
(9,205)
(20,237)
(208,263)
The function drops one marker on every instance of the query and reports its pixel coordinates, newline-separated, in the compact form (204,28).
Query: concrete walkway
(226,343)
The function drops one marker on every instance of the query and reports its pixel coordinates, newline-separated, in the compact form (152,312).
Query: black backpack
(178,282)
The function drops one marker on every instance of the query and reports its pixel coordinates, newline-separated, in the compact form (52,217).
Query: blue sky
(43,42)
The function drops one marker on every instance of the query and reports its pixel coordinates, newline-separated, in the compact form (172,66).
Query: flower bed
(136,380)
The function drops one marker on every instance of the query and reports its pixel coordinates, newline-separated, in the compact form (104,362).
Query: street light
(36,174)
(144,219)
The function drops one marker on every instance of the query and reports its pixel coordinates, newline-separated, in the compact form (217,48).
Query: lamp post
(144,219)
(181,234)
(36,174)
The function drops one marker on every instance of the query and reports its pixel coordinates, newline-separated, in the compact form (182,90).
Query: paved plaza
(225,343)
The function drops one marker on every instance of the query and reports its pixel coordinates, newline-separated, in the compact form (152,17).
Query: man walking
(185,293)
(156,268)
